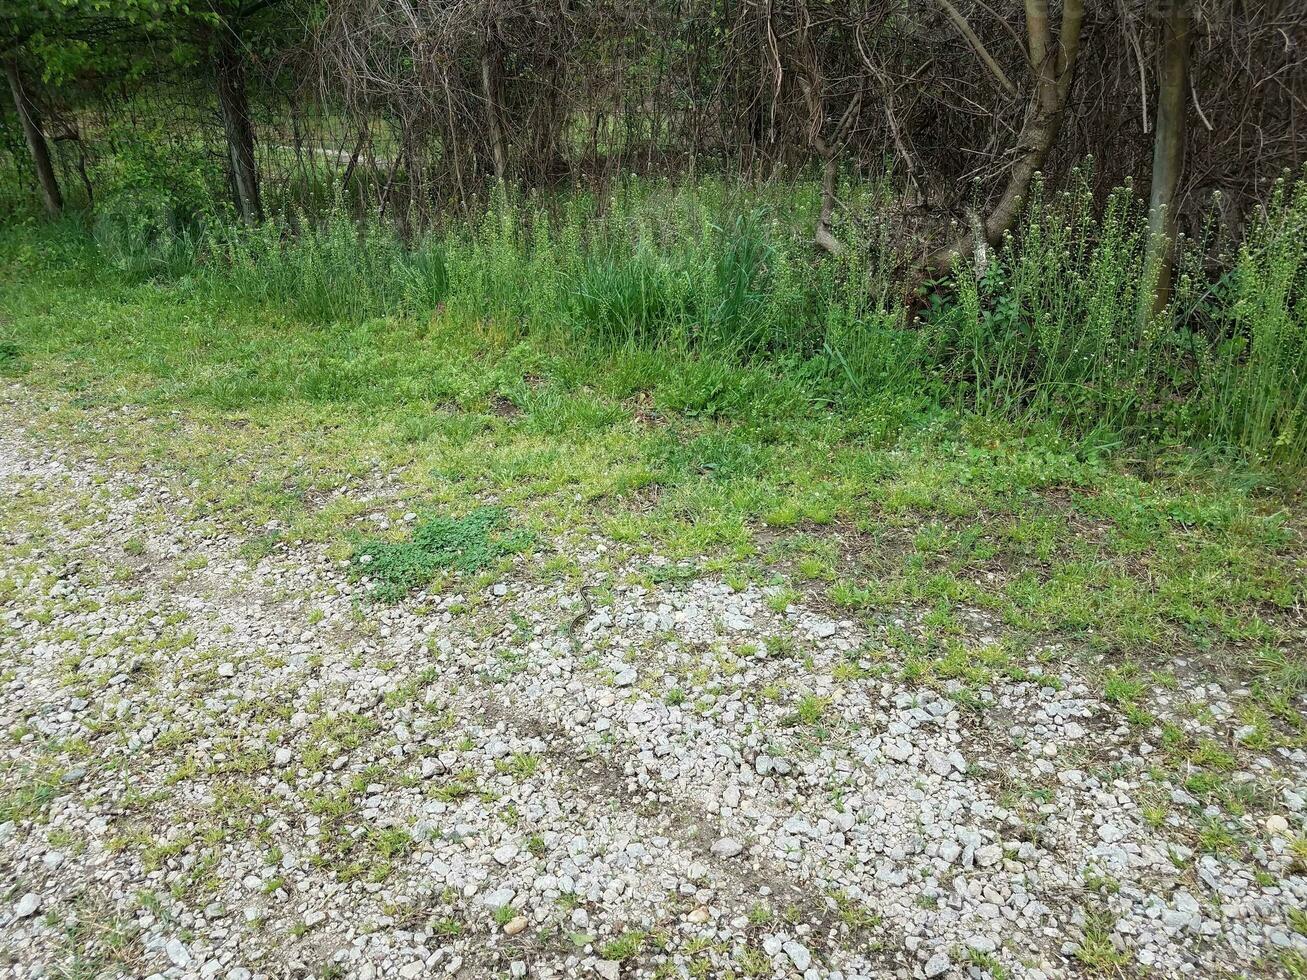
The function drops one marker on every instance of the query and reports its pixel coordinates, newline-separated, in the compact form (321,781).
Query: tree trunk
(490,93)
(813,84)
(36,144)
(229,69)
(824,237)
(353,159)
(1053,66)
(1168,147)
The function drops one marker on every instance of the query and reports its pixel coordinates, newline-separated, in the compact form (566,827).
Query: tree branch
(977,45)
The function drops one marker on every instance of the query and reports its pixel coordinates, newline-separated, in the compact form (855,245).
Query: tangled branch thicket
(410,104)
(550,90)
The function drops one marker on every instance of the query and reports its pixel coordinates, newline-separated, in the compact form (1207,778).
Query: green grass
(624,947)
(668,443)
(1096,952)
(1055,330)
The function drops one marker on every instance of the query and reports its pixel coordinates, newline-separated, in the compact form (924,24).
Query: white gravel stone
(937,965)
(798,954)
(727,847)
(178,953)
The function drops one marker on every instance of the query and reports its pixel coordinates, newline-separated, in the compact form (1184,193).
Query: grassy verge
(1055,329)
(872,505)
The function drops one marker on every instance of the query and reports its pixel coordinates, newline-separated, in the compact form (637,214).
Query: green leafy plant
(439,543)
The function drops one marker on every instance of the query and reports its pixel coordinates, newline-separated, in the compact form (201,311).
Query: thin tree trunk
(390,178)
(36,144)
(81,172)
(230,77)
(353,159)
(490,93)
(1168,147)
(812,84)
(1053,66)
(455,149)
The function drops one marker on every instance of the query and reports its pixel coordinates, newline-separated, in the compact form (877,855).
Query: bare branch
(987,59)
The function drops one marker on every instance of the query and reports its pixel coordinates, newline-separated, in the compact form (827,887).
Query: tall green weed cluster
(1057,323)
(1059,326)
(710,267)
(334,270)
(1251,373)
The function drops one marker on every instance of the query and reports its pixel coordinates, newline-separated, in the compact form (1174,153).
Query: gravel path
(219,768)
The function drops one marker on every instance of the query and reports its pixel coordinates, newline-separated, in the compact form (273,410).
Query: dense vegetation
(1056,329)
(789,189)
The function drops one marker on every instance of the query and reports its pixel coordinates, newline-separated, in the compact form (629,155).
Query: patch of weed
(439,543)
